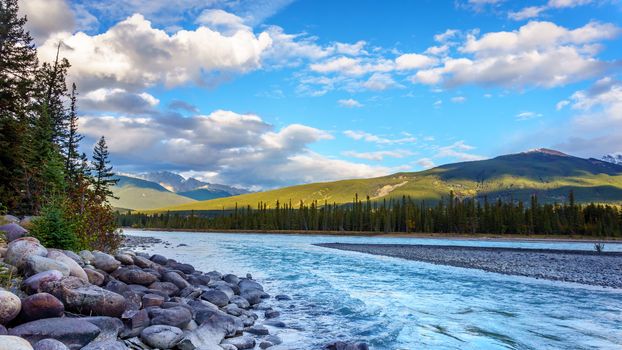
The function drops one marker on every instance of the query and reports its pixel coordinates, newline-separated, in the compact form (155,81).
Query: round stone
(10,306)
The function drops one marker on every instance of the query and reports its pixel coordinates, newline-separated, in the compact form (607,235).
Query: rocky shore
(58,300)
(585,267)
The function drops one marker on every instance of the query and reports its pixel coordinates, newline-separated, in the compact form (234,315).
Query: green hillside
(549,174)
(140,194)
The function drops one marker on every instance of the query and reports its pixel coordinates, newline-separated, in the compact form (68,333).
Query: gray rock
(73,332)
(105,262)
(134,321)
(274,339)
(87,256)
(3,330)
(94,277)
(33,283)
(240,302)
(272,314)
(167,287)
(105,345)
(13,231)
(265,344)
(258,330)
(243,342)
(176,316)
(50,344)
(84,298)
(282,297)
(176,279)
(347,346)
(74,256)
(161,337)
(10,306)
(110,326)
(233,279)
(136,276)
(74,268)
(21,249)
(152,300)
(206,337)
(36,264)
(11,218)
(185,268)
(41,305)
(124,259)
(275,323)
(216,297)
(8,342)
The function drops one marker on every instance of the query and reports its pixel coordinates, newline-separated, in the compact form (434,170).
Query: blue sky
(269,93)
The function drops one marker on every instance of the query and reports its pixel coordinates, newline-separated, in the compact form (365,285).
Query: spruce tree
(103,177)
(73,160)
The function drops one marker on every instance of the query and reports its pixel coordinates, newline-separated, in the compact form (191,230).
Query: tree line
(449,215)
(42,171)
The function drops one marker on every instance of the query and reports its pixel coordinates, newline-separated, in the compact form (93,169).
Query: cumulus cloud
(458,150)
(233,148)
(528,56)
(46,17)
(380,81)
(118,100)
(350,103)
(527,115)
(134,54)
(536,11)
(414,61)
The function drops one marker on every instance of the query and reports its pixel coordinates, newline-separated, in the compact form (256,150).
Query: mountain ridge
(547,173)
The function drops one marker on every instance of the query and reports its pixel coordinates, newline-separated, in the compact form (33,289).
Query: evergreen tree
(73,161)
(103,177)
(18,65)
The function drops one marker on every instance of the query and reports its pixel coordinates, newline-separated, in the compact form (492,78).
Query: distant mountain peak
(615,158)
(548,151)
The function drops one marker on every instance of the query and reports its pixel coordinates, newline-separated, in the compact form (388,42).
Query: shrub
(53,229)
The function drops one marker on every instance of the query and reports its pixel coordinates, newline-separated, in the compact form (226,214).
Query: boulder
(74,268)
(159,259)
(258,330)
(41,305)
(240,302)
(214,275)
(176,279)
(50,344)
(21,249)
(134,321)
(13,231)
(3,330)
(124,259)
(36,264)
(282,297)
(272,314)
(143,263)
(339,345)
(110,327)
(243,342)
(33,283)
(215,297)
(136,276)
(185,268)
(10,219)
(167,287)
(73,332)
(87,256)
(206,337)
(94,277)
(87,299)
(10,306)
(152,300)
(176,316)
(74,256)
(233,279)
(8,342)
(105,345)
(105,262)
(161,336)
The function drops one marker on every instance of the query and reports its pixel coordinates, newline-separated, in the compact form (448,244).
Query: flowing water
(398,304)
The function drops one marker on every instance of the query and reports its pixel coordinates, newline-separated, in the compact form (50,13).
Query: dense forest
(42,171)
(451,215)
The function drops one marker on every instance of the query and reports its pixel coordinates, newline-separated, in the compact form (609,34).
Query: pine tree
(18,65)
(103,178)
(73,159)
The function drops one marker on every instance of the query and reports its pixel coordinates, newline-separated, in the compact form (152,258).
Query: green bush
(53,229)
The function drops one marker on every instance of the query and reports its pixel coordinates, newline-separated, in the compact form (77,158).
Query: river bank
(447,236)
(62,300)
(584,267)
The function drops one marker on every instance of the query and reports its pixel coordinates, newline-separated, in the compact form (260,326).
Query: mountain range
(549,174)
(164,188)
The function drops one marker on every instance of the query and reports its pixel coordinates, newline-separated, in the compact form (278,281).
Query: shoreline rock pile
(95,301)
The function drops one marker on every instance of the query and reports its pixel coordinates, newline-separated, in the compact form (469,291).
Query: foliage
(53,229)
(599,247)
(451,215)
(103,176)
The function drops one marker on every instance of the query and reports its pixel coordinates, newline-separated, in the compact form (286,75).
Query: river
(395,304)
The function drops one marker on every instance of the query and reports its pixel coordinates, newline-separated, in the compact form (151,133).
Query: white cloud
(378,155)
(380,81)
(425,163)
(536,11)
(529,56)
(458,99)
(351,49)
(46,17)
(438,103)
(457,150)
(527,115)
(350,103)
(414,61)
(221,20)
(561,104)
(118,100)
(368,137)
(526,13)
(230,147)
(446,35)
(134,54)
(567,3)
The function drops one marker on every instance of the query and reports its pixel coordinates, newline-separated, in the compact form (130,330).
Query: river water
(395,304)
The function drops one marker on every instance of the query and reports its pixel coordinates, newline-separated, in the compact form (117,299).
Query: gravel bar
(578,266)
